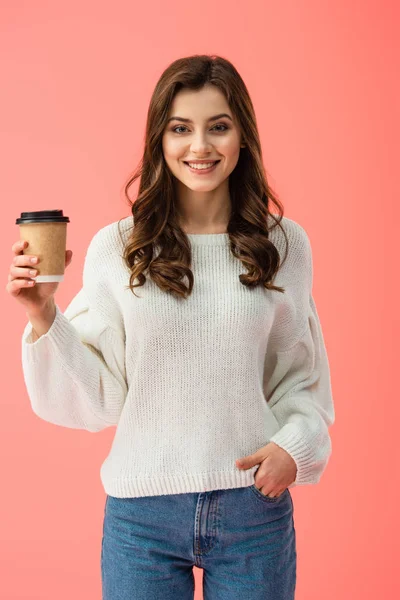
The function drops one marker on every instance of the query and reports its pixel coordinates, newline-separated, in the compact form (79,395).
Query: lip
(202,171)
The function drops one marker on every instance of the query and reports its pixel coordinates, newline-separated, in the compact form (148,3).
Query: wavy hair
(154,210)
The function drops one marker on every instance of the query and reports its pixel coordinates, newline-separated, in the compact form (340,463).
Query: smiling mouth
(200,166)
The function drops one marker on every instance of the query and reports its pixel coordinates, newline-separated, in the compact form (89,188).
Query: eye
(184,127)
(179,126)
(222,125)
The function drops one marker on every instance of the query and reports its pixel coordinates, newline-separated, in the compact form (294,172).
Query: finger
(16,284)
(264,490)
(271,493)
(26,272)
(19,246)
(24,260)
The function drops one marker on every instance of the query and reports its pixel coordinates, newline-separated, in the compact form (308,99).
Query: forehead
(199,104)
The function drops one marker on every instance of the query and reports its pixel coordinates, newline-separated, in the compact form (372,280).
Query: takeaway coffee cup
(46,233)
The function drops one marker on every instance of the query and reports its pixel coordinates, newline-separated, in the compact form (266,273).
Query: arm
(297,384)
(75,371)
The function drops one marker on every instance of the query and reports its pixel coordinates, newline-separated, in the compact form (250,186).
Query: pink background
(76,82)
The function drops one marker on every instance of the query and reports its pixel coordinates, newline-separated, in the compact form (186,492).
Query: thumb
(249,461)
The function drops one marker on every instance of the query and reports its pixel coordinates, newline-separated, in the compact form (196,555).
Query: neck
(203,212)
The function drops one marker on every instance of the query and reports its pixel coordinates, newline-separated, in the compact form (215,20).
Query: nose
(200,144)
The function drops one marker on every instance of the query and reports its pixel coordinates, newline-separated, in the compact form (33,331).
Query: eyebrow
(214,118)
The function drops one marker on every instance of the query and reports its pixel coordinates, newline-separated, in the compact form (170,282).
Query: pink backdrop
(76,81)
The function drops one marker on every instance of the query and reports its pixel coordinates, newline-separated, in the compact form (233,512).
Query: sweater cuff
(304,455)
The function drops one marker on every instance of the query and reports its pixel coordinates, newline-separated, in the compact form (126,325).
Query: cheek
(172,148)
(230,148)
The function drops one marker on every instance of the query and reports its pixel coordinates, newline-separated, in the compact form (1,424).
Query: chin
(202,188)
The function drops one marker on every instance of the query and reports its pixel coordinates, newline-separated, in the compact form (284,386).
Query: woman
(196,334)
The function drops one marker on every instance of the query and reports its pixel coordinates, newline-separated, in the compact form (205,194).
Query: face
(198,136)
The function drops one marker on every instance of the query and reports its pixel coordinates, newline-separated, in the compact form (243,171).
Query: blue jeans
(244,541)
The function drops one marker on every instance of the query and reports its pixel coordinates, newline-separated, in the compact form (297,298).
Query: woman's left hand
(276,472)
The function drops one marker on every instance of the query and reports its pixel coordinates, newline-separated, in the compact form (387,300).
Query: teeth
(202,166)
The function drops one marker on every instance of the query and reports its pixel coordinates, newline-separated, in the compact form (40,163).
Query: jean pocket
(265,498)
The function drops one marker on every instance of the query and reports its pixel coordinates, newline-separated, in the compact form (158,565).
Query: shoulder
(111,236)
(297,237)
(296,234)
(299,263)
(104,254)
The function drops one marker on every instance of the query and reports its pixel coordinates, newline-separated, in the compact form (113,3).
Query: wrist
(46,311)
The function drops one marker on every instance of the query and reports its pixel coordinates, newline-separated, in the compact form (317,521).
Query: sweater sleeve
(298,390)
(75,373)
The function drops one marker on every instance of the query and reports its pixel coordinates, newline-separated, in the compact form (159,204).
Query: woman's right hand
(34,297)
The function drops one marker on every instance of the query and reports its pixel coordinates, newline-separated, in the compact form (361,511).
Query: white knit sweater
(193,384)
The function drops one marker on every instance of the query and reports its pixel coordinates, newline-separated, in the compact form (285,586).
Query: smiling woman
(220,357)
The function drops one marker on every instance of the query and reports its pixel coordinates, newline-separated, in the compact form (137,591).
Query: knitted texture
(191,385)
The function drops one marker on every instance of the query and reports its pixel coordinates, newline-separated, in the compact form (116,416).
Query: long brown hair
(154,210)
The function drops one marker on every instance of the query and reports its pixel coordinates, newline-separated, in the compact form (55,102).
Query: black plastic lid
(42,216)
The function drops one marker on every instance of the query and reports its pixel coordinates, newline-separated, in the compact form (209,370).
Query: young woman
(196,334)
